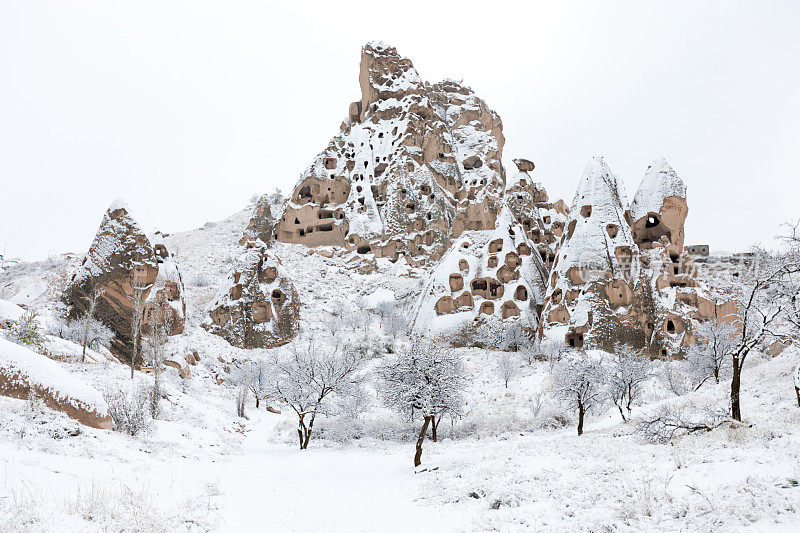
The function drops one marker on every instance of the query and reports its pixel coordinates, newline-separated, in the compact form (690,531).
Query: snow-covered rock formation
(597,261)
(257,306)
(120,254)
(413,166)
(261,222)
(24,373)
(487,280)
(621,276)
(542,220)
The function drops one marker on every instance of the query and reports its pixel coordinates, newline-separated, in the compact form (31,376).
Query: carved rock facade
(413,166)
(257,306)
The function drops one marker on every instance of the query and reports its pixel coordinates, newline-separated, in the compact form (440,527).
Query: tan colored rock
(24,373)
(257,306)
(405,175)
(121,253)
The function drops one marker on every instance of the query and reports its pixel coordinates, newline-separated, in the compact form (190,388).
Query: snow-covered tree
(258,380)
(27,330)
(507,368)
(426,378)
(716,341)
(627,371)
(765,297)
(578,381)
(307,374)
(514,338)
(139,288)
(155,349)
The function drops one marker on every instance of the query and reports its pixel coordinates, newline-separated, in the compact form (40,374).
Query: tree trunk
(301,430)
(434,427)
(256,402)
(308,432)
(85,340)
(156,393)
(716,374)
(581,412)
(420,439)
(797,391)
(736,384)
(621,412)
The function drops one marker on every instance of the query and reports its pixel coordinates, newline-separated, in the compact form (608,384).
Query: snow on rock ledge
(23,371)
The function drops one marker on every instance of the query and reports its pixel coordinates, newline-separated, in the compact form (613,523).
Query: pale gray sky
(186,109)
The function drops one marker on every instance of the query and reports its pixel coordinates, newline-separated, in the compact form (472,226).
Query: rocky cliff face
(120,255)
(488,281)
(261,222)
(257,306)
(621,275)
(413,166)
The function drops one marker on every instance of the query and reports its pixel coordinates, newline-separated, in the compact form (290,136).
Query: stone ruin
(120,256)
(413,166)
(257,306)
(621,275)
(493,277)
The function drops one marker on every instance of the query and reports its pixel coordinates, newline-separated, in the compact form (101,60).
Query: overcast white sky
(186,109)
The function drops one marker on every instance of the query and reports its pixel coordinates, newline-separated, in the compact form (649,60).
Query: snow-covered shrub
(130,409)
(201,279)
(74,330)
(209,225)
(28,331)
(675,378)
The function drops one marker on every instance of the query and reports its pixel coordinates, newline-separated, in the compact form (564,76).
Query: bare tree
(670,422)
(427,378)
(91,306)
(578,382)
(716,341)
(514,337)
(155,352)
(307,374)
(258,381)
(628,370)
(507,368)
(764,301)
(139,288)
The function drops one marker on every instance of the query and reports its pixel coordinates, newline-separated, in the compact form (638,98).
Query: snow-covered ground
(512,462)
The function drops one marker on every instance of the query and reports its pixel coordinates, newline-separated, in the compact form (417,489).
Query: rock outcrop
(257,306)
(413,167)
(621,276)
(487,281)
(597,262)
(24,373)
(542,220)
(121,255)
(261,222)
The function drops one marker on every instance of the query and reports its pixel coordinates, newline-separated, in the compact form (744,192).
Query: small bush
(130,410)
(28,332)
(201,280)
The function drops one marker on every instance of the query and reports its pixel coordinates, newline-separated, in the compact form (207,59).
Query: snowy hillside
(511,461)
